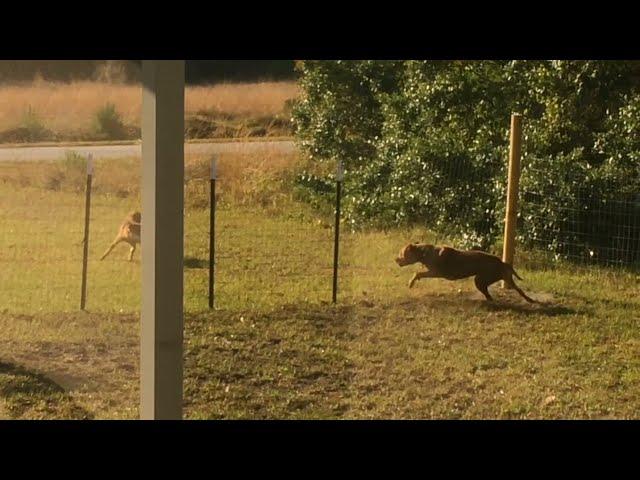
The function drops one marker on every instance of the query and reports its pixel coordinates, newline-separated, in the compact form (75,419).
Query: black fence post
(85,252)
(212,232)
(336,243)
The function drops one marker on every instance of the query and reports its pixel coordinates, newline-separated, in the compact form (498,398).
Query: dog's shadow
(542,308)
(189,262)
(501,303)
(192,262)
(507,301)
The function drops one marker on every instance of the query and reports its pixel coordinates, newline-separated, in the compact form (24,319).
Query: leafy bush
(68,174)
(32,126)
(30,129)
(109,125)
(427,142)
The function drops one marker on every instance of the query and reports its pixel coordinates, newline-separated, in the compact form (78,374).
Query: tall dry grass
(242,99)
(244,179)
(70,107)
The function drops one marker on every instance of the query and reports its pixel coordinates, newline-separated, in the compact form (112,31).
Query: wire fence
(270,249)
(267,250)
(594,224)
(42,231)
(39,243)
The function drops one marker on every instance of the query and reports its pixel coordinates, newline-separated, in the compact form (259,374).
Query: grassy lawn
(275,347)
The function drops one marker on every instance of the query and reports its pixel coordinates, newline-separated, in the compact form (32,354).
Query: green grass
(45,255)
(275,347)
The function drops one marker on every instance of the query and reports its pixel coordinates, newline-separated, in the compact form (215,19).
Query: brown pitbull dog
(452,264)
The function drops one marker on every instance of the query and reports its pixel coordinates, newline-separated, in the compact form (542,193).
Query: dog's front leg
(419,275)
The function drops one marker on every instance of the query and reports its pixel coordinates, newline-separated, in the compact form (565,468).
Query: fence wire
(267,250)
(594,224)
(270,249)
(42,234)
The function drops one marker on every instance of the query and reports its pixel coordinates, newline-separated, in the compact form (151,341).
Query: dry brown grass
(243,99)
(259,180)
(244,178)
(64,107)
(71,107)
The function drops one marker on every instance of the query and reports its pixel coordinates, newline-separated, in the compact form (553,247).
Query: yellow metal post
(515,151)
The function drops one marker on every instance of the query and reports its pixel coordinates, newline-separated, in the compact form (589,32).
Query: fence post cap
(213,172)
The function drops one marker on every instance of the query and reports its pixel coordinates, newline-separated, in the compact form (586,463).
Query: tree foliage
(427,142)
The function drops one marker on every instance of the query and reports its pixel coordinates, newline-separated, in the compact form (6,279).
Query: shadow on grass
(609,302)
(546,309)
(191,262)
(29,394)
(502,302)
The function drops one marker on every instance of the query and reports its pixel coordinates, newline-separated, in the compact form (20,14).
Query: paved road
(119,151)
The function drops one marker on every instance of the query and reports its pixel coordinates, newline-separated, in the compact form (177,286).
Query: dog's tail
(515,274)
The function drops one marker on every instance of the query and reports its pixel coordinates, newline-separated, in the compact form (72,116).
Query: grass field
(275,347)
(48,111)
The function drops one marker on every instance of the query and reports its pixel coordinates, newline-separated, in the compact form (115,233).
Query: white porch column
(161,330)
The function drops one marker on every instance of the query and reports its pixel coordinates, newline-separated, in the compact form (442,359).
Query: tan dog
(129,232)
(452,264)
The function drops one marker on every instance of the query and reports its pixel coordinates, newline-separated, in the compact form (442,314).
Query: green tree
(426,142)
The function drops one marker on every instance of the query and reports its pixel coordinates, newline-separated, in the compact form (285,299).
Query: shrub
(31,127)
(68,174)
(109,125)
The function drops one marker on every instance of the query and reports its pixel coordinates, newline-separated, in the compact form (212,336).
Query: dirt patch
(29,394)
(96,377)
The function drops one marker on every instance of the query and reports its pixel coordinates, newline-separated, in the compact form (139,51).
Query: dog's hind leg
(483,285)
(513,285)
(111,247)
(133,249)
